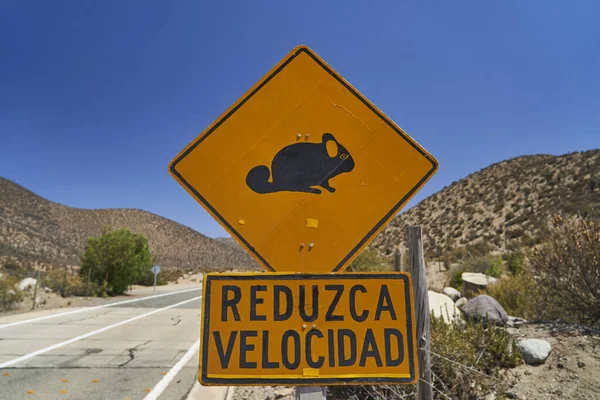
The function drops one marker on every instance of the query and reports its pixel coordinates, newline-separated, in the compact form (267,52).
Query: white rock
(452,293)
(284,392)
(47,290)
(473,281)
(11,292)
(534,351)
(442,306)
(26,284)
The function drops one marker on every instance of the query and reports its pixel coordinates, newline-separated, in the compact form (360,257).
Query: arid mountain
(35,229)
(229,241)
(507,202)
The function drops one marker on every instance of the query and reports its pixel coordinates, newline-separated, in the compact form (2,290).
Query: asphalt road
(120,352)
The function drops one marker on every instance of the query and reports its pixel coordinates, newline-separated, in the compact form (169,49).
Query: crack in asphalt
(83,319)
(178,318)
(132,353)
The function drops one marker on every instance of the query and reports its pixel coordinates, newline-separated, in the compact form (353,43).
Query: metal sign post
(155,270)
(310,393)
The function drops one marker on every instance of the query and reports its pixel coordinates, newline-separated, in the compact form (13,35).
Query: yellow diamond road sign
(303,171)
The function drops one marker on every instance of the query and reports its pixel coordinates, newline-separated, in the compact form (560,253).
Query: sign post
(155,270)
(304,172)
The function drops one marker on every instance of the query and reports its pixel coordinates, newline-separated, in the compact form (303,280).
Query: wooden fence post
(397,260)
(421,299)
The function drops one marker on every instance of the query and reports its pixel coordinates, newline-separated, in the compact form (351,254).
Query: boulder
(461,302)
(442,306)
(534,351)
(27,284)
(474,281)
(47,290)
(452,293)
(11,292)
(485,308)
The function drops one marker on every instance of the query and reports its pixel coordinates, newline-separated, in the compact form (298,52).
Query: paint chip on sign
(310,372)
(63,391)
(242,222)
(6,374)
(312,223)
(30,392)
(65,380)
(95,381)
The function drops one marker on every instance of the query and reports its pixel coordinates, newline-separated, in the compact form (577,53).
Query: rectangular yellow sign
(307,329)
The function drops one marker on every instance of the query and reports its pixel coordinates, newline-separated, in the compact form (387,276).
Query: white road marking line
(166,380)
(230,393)
(86,335)
(27,321)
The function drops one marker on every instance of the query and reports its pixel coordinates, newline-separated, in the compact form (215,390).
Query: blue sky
(96,97)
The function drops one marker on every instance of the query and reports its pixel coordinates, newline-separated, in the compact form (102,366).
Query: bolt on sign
(302,170)
(307,329)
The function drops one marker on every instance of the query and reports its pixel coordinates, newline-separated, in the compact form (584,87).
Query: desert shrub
(455,277)
(14,268)
(567,268)
(66,285)
(9,294)
(518,295)
(478,264)
(116,259)
(515,233)
(514,262)
(165,276)
(369,261)
(494,268)
(481,248)
(487,350)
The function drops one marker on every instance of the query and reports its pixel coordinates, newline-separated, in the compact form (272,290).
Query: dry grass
(467,362)
(567,269)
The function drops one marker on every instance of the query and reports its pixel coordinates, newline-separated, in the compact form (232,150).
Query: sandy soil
(572,371)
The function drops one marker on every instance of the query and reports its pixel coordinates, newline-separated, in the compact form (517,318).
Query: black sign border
(204,379)
(369,235)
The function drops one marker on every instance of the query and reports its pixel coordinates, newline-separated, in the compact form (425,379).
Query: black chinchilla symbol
(297,167)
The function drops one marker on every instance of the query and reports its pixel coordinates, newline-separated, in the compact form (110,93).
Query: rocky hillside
(507,202)
(35,229)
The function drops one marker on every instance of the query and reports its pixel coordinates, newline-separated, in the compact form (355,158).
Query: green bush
(10,296)
(116,260)
(514,262)
(369,261)
(494,268)
(456,278)
(467,362)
